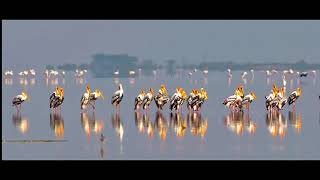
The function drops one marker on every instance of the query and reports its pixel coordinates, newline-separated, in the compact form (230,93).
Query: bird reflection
(229,81)
(238,121)
(102,140)
(179,124)
(277,124)
(79,80)
(33,81)
(162,126)
(139,122)
(8,81)
(295,119)
(199,126)
(132,81)
(21,123)
(89,123)
(57,124)
(118,125)
(144,124)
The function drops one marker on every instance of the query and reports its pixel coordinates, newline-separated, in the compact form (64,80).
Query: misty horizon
(39,42)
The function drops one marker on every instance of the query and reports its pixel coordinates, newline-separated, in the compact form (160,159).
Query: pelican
(85,99)
(57,98)
(291,71)
(139,99)
(21,73)
(162,98)
(116,72)
(282,100)
(26,72)
(117,96)
(205,71)
(304,74)
(148,99)
(19,99)
(247,100)
(294,96)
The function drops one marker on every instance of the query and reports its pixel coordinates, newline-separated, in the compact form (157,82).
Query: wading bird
(19,99)
(117,96)
(148,99)
(57,98)
(139,99)
(162,98)
(294,97)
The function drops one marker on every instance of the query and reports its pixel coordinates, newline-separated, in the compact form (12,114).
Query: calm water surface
(215,133)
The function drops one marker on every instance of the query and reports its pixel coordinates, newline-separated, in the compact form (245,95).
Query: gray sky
(54,42)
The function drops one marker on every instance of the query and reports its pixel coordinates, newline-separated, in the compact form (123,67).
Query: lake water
(214,133)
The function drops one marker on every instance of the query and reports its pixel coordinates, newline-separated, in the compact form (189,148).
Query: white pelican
(116,72)
(132,73)
(291,71)
(139,99)
(162,98)
(21,73)
(205,71)
(148,99)
(117,96)
(294,96)
(85,99)
(19,99)
(57,98)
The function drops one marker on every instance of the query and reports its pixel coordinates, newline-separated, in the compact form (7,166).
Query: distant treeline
(104,65)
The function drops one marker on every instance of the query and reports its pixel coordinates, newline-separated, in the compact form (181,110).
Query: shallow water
(215,133)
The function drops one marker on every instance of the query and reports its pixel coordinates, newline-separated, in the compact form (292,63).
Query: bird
(139,99)
(271,97)
(274,71)
(304,74)
(117,96)
(248,99)
(177,99)
(116,72)
(32,72)
(234,101)
(162,97)
(244,74)
(268,73)
(94,96)
(19,99)
(291,71)
(193,96)
(229,73)
(284,82)
(8,73)
(57,97)
(21,73)
(148,98)
(132,73)
(282,100)
(26,73)
(294,96)
(85,99)
(205,71)
(203,96)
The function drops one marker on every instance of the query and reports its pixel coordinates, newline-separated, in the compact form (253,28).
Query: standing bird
(244,74)
(271,97)
(192,98)
(294,97)
(203,96)
(19,99)
(117,96)
(57,98)
(229,73)
(247,100)
(32,72)
(177,99)
(94,96)
(162,98)
(85,99)
(148,99)
(139,99)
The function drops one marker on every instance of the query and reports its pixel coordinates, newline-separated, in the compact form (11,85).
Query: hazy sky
(53,42)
